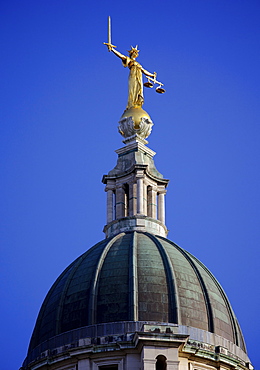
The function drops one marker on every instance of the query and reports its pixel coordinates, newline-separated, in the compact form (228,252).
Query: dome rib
(55,298)
(61,304)
(133,280)
(236,329)
(38,327)
(211,327)
(173,312)
(95,280)
(64,292)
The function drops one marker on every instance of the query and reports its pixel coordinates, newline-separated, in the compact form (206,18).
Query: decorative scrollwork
(127,127)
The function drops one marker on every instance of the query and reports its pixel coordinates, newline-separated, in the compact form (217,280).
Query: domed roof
(136,276)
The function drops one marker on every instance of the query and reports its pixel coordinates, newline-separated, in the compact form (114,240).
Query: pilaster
(110,205)
(161,205)
(120,202)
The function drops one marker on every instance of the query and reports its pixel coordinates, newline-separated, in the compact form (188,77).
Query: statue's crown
(133,50)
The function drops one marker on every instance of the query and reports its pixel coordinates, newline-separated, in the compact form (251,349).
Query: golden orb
(137,114)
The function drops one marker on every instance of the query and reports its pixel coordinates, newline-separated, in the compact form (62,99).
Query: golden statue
(135,80)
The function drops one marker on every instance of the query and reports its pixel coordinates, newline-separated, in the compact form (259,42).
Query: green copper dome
(136,276)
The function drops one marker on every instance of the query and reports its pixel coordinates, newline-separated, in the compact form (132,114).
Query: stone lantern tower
(135,189)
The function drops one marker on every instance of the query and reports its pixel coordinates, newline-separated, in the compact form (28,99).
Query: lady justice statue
(135,80)
(134,112)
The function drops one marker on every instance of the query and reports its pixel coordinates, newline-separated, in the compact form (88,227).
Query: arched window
(126,189)
(114,205)
(161,362)
(149,201)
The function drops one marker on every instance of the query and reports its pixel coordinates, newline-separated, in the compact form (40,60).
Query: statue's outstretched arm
(117,53)
(147,73)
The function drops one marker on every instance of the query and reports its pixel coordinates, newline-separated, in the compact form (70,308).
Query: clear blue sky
(62,95)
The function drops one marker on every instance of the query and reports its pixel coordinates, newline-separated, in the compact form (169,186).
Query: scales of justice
(135,122)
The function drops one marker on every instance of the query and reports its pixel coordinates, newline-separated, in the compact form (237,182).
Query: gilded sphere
(135,121)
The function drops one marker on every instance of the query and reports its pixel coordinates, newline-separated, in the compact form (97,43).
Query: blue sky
(61,98)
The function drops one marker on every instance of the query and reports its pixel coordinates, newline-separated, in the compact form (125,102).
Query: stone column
(145,199)
(154,203)
(140,194)
(151,202)
(120,202)
(161,206)
(132,200)
(110,205)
